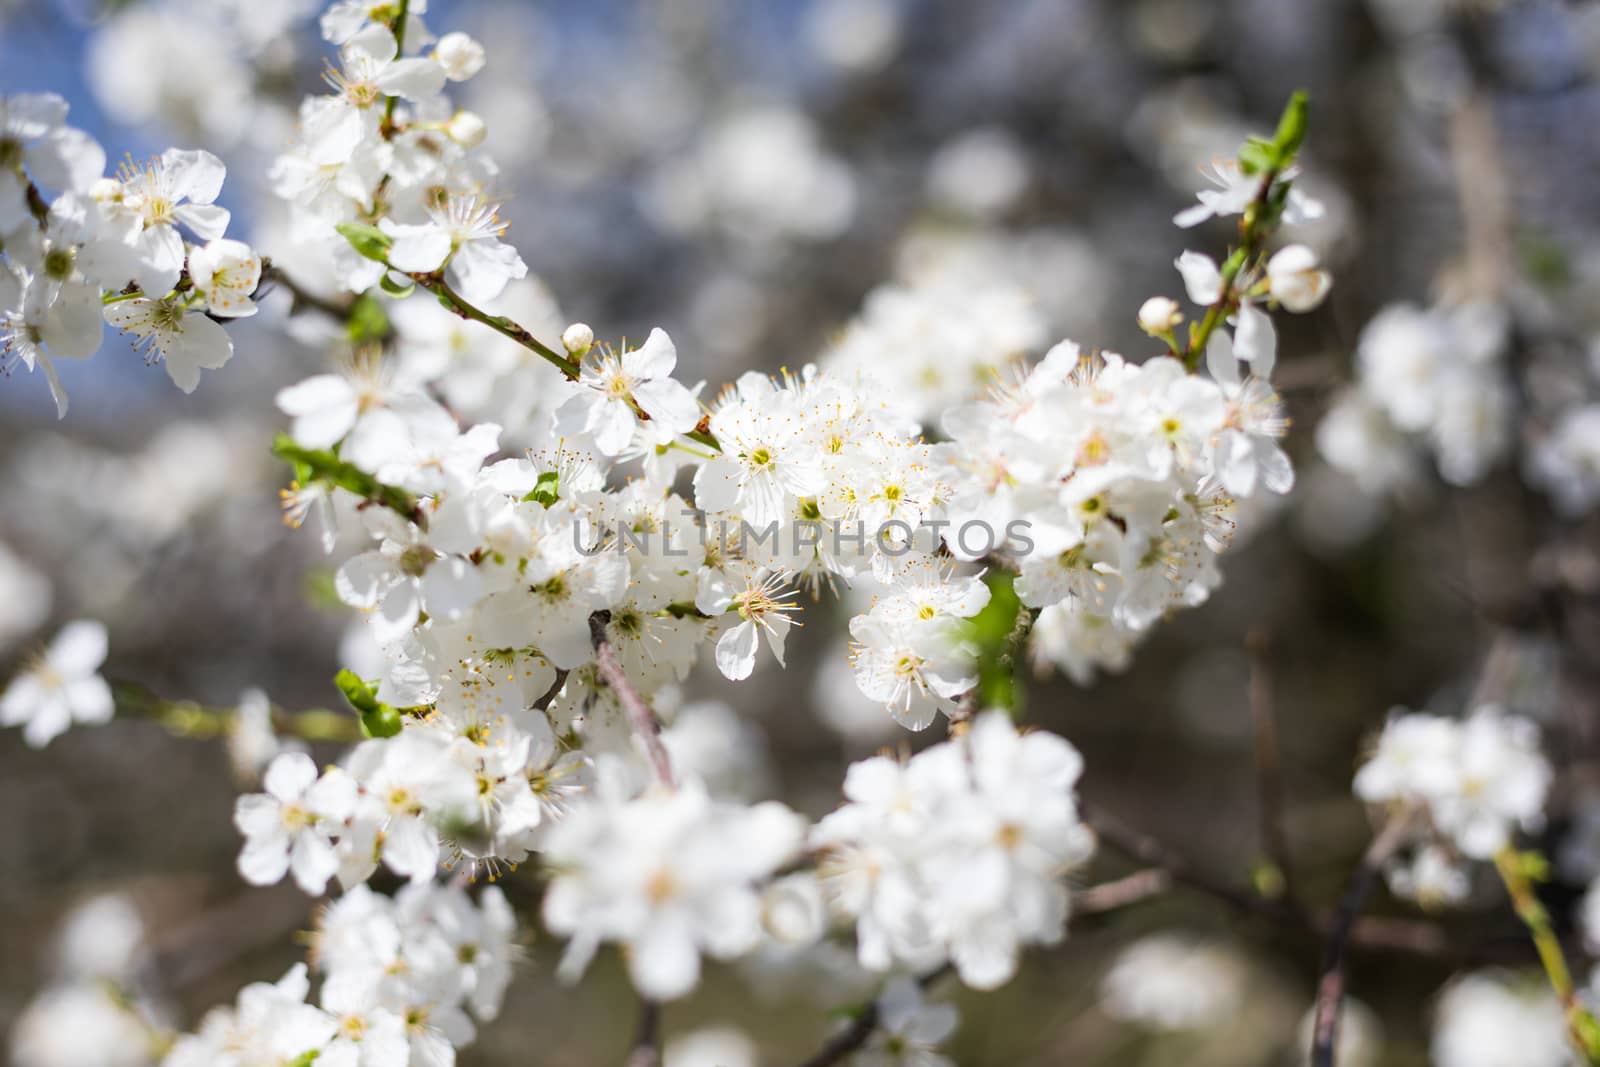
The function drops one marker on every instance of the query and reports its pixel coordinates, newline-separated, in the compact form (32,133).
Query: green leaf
(367,321)
(997,633)
(1292,127)
(366,239)
(322,465)
(397,288)
(547,490)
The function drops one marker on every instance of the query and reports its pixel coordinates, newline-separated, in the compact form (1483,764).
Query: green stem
(1513,867)
(434,282)
(1252,234)
(399,28)
(188,719)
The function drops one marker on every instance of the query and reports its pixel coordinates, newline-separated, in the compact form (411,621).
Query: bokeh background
(743,173)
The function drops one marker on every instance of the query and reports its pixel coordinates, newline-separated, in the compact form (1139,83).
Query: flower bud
(577,339)
(459,55)
(1159,315)
(467,129)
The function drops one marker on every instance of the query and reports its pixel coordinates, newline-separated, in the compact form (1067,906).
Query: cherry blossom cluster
(1471,784)
(467,785)
(364,157)
(959,853)
(401,981)
(1127,476)
(1427,380)
(939,341)
(669,874)
(541,540)
(144,249)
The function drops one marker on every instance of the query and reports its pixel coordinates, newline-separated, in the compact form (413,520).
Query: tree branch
(272,275)
(861,1028)
(640,715)
(1330,987)
(647,1038)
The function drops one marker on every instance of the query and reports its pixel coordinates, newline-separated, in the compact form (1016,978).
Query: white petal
(208,221)
(289,775)
(664,963)
(736,651)
(79,649)
(1201,277)
(418,248)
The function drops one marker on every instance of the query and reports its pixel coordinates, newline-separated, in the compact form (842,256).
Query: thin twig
(861,1028)
(640,715)
(1269,764)
(1330,987)
(1121,892)
(1151,851)
(550,694)
(273,275)
(646,1050)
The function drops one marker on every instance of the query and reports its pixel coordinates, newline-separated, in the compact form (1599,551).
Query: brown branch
(1412,937)
(272,275)
(1269,764)
(1121,892)
(550,694)
(646,1050)
(640,715)
(1330,987)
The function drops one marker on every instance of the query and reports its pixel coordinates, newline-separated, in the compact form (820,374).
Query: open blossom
(668,874)
(462,235)
(226,273)
(290,827)
(148,203)
(337,126)
(183,339)
(41,322)
(958,854)
(762,608)
(34,135)
(765,459)
(61,687)
(1480,779)
(910,1029)
(1234,189)
(603,406)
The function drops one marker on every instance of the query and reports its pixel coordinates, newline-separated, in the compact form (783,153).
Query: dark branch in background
(647,1038)
(274,277)
(1121,892)
(1330,986)
(1269,769)
(640,715)
(1412,937)
(861,1028)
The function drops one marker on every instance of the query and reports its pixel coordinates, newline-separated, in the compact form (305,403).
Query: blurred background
(745,174)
